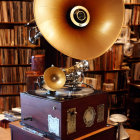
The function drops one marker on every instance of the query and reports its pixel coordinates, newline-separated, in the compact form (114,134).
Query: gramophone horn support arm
(89,86)
(33,39)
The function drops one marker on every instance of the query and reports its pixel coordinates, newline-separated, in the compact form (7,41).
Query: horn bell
(82,29)
(54,78)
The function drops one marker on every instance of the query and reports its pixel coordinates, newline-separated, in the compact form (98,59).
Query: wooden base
(70,116)
(106,133)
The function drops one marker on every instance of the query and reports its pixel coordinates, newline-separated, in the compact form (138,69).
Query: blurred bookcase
(116,65)
(15,50)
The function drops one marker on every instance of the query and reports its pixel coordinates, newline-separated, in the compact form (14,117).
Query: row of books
(19,36)
(24,55)
(94,81)
(13,74)
(63,60)
(7,103)
(18,56)
(109,82)
(16,11)
(12,89)
(132,16)
(8,56)
(119,79)
(111,60)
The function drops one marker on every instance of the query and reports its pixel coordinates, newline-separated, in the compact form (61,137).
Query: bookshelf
(134,61)
(15,50)
(113,66)
(117,94)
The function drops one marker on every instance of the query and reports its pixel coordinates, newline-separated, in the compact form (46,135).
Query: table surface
(5,134)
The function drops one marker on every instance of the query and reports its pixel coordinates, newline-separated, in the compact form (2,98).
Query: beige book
(12,37)
(24,11)
(5,14)
(11,11)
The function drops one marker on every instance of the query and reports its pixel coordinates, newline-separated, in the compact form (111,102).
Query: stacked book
(23,12)
(13,74)
(111,60)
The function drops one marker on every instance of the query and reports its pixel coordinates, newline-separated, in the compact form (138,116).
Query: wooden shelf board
(132,60)
(15,65)
(19,0)
(135,25)
(9,25)
(132,4)
(22,46)
(117,108)
(13,23)
(117,91)
(7,95)
(118,43)
(13,83)
(105,71)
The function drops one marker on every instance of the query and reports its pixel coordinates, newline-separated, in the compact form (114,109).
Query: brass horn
(82,29)
(54,78)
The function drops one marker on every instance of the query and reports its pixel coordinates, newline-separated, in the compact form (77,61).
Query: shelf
(22,46)
(118,43)
(117,91)
(132,60)
(7,95)
(15,65)
(105,71)
(19,0)
(132,4)
(135,85)
(13,83)
(135,25)
(10,25)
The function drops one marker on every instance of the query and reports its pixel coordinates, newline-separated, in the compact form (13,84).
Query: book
(4,11)
(9,14)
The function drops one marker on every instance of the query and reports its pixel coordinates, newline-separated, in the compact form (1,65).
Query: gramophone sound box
(64,118)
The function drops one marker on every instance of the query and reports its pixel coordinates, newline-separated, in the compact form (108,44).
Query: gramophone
(81,29)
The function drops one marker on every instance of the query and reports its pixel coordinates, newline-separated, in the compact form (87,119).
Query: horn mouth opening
(54,78)
(79,16)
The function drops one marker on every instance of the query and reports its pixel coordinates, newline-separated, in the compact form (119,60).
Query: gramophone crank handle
(89,85)
(72,112)
(27,118)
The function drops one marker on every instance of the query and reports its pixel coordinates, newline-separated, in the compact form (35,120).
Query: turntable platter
(65,92)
